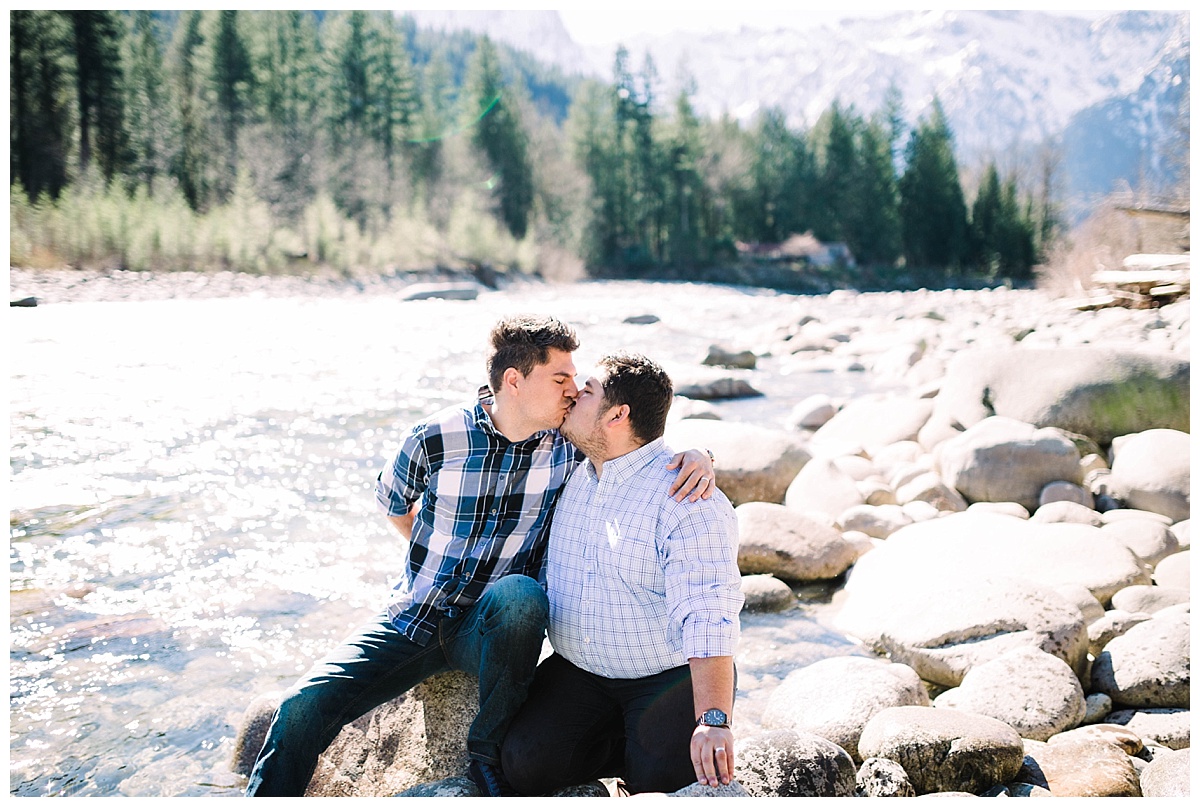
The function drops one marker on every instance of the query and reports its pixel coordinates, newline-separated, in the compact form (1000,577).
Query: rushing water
(191,509)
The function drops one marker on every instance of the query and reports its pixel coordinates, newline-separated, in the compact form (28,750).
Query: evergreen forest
(353,142)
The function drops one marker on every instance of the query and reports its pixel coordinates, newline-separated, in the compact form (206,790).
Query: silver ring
(720,750)
(704,479)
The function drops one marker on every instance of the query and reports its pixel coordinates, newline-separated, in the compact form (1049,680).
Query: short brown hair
(633,379)
(525,341)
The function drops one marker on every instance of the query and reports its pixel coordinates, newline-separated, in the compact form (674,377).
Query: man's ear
(618,414)
(512,376)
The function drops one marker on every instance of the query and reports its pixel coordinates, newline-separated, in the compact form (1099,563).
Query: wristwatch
(715,718)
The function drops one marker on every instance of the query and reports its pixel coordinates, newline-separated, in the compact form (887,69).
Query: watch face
(714,717)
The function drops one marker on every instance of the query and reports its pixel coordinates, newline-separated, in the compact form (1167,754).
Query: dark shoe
(489,779)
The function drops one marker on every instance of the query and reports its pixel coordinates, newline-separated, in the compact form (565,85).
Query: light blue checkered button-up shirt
(639,583)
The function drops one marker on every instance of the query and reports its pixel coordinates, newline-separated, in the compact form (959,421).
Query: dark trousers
(577,726)
(498,639)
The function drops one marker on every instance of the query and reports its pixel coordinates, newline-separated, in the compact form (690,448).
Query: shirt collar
(621,469)
(484,421)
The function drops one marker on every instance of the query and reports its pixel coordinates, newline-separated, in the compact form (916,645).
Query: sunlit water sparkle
(191,510)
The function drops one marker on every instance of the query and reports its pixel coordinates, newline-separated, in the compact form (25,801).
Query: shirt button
(493,512)
(586,640)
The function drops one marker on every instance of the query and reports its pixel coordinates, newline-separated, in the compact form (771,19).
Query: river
(191,510)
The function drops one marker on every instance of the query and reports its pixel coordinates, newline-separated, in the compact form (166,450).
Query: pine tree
(232,83)
(99,82)
(499,135)
(933,212)
(40,44)
(874,232)
(187,68)
(153,132)
(986,223)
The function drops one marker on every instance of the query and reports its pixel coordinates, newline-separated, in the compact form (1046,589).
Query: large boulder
(709,384)
(1149,665)
(790,763)
(943,628)
(754,464)
(777,540)
(871,422)
(1149,599)
(1175,571)
(1170,728)
(964,546)
(835,697)
(1032,691)
(1152,471)
(1004,460)
(1095,391)
(416,739)
(943,749)
(1081,765)
(1148,539)
(1168,775)
(821,485)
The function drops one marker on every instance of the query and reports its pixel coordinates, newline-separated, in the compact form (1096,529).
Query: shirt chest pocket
(630,553)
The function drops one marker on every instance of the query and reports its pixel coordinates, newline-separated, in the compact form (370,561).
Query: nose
(571,389)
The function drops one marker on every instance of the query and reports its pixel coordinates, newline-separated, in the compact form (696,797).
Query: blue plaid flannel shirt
(485,505)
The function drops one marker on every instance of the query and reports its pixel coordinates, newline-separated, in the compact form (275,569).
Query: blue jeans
(498,639)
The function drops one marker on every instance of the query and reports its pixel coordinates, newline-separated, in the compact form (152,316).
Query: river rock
(1004,460)
(1182,530)
(1065,492)
(1175,571)
(1149,540)
(1149,665)
(835,697)
(944,749)
(418,738)
(719,356)
(754,464)
(1152,471)
(1089,607)
(1098,707)
(984,618)
(1081,766)
(685,408)
(1114,623)
(1170,728)
(872,422)
(876,521)
(882,778)
(696,790)
(1126,514)
(1001,508)
(1032,691)
(708,384)
(813,412)
(966,545)
(1149,599)
(1096,391)
(778,540)
(641,319)
(765,593)
(1168,776)
(441,291)
(929,487)
(824,487)
(461,786)
(252,733)
(1064,512)
(790,763)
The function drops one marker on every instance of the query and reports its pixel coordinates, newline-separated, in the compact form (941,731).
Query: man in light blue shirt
(644,599)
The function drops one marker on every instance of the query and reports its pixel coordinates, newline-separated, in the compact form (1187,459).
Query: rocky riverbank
(1008,528)
(1014,534)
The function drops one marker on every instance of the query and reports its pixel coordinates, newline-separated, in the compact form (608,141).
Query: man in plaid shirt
(471,488)
(644,595)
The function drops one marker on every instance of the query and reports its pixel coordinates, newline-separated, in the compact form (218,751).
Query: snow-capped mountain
(1003,77)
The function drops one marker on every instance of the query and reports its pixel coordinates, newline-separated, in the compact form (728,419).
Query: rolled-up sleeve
(401,482)
(703,584)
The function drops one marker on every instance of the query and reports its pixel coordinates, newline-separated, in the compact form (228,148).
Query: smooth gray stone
(441,291)
(790,763)
(1168,775)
